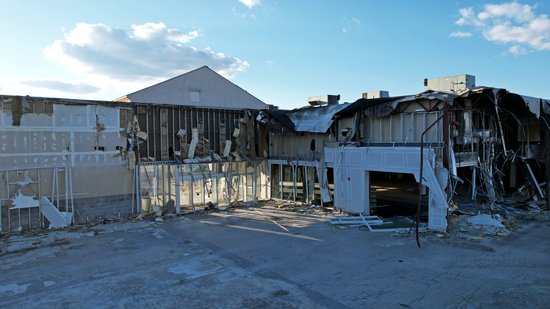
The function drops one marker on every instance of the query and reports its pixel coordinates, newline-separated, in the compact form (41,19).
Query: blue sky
(280,51)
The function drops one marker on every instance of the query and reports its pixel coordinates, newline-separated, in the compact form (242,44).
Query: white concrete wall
(351,182)
(65,137)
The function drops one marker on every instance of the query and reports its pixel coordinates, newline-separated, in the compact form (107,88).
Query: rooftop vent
(377,94)
(451,83)
(321,100)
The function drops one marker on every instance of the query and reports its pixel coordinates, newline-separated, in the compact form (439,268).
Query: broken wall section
(221,134)
(62,138)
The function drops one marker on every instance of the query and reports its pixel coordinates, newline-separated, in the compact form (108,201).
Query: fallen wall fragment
(57,219)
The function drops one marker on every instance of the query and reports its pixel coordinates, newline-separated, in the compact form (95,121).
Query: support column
(178,188)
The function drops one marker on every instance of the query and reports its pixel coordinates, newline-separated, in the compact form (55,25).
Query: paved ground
(268,258)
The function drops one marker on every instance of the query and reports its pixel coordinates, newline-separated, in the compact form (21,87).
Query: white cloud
(517,50)
(467,17)
(148,51)
(460,34)
(510,23)
(159,31)
(250,3)
(104,62)
(512,10)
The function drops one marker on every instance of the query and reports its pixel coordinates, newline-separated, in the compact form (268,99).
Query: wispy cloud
(351,24)
(55,85)
(510,23)
(517,50)
(250,3)
(460,34)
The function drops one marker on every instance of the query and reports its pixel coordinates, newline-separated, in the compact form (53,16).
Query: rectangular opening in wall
(275,180)
(396,195)
(330,181)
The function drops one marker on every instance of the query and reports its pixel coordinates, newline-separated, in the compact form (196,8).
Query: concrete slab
(243,259)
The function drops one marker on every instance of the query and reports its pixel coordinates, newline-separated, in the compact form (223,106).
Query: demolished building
(73,161)
(199,140)
(459,142)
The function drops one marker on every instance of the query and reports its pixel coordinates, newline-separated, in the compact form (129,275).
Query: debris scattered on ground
(486,220)
(280,293)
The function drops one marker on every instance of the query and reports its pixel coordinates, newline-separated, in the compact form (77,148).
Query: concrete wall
(352,166)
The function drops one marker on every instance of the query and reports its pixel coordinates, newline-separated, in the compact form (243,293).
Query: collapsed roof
(307,119)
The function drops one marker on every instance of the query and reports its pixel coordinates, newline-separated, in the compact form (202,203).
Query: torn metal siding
(169,131)
(303,146)
(307,119)
(314,119)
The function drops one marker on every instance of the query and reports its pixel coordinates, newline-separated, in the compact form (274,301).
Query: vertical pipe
(254,179)
(185,121)
(306,183)
(208,114)
(225,117)
(192,189)
(178,188)
(71,192)
(474,172)
(293,182)
(205,127)
(203,189)
(179,118)
(39,192)
(217,185)
(154,133)
(173,130)
(137,190)
(57,186)
(230,188)
(281,180)
(446,137)
(495,102)
(148,110)
(217,135)
(156,189)
(8,195)
(66,190)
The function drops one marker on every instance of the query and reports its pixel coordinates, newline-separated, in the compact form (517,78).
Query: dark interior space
(396,194)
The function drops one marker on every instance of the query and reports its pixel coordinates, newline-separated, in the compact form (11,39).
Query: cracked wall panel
(86,141)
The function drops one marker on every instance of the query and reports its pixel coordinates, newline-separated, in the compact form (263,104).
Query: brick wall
(85,210)
(105,207)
